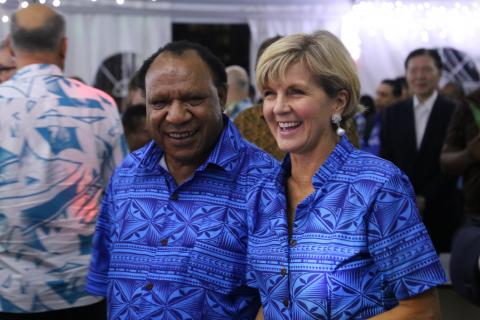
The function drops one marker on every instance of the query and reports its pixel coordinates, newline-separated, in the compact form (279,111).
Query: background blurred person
(134,121)
(7,64)
(412,135)
(238,96)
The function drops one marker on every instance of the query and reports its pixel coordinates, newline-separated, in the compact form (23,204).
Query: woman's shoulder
(364,165)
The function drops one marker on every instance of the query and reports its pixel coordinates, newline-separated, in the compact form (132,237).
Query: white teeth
(286,125)
(180,135)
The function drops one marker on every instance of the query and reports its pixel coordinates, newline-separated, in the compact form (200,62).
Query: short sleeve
(399,242)
(99,265)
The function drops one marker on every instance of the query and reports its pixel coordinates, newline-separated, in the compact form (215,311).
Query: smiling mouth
(285,126)
(181,135)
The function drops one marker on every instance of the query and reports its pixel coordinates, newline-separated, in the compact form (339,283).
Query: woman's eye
(267,93)
(296,91)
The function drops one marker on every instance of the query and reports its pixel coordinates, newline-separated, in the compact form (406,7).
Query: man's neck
(424,98)
(23,60)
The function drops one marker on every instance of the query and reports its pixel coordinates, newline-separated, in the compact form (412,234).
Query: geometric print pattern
(167,251)
(358,244)
(60,141)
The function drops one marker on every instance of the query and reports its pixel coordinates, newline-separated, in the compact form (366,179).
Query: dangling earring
(336,119)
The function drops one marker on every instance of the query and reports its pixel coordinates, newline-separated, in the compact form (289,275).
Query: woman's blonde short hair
(324,55)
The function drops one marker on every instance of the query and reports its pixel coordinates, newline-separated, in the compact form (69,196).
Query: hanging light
(5,18)
(120,2)
(56,3)
(24,4)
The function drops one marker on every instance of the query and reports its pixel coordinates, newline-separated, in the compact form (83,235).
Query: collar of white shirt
(428,104)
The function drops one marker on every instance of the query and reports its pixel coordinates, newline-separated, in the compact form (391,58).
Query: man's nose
(178,113)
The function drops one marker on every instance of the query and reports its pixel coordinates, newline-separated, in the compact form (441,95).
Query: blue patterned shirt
(358,244)
(60,141)
(164,251)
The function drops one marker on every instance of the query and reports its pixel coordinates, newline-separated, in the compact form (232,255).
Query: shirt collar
(335,160)
(428,104)
(225,154)
(37,70)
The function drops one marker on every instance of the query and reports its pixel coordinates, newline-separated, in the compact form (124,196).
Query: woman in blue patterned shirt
(339,235)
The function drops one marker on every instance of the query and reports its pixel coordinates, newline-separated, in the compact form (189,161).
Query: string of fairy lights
(55,3)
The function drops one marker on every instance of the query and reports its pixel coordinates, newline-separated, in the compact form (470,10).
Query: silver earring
(336,120)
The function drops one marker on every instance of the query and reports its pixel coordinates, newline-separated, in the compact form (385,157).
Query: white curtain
(94,37)
(293,19)
(381,34)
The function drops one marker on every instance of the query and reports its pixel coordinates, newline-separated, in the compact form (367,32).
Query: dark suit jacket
(398,144)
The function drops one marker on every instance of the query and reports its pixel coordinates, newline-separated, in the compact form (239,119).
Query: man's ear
(222,96)
(8,44)
(63,48)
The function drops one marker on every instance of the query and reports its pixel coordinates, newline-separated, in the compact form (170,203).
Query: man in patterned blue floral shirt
(171,239)
(60,141)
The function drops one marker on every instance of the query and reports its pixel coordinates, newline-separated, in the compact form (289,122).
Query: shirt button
(283,271)
(293,242)
(149,286)
(164,242)
(174,196)
(285,303)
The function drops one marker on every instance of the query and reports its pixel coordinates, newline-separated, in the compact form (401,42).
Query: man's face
(384,96)
(422,76)
(7,65)
(184,108)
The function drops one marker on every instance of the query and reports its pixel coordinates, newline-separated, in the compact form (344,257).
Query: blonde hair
(324,55)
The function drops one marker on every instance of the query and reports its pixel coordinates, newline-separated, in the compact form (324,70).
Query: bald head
(37,28)
(237,79)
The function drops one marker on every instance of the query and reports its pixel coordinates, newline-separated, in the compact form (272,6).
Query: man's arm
(455,161)
(424,306)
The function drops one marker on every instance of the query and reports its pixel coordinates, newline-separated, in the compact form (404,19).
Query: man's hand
(421,204)
(473,149)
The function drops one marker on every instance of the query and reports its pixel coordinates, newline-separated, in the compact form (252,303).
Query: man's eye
(195,102)
(158,104)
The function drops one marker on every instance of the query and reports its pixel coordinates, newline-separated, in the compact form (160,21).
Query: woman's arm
(259,314)
(424,306)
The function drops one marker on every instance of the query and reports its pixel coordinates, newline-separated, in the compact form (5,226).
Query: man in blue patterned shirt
(171,239)
(60,140)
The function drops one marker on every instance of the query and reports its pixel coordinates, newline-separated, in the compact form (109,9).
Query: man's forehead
(421,60)
(170,66)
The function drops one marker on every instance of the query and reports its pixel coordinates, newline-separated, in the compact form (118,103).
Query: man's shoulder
(400,106)
(82,90)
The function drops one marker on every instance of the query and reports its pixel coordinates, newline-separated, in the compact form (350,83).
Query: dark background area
(230,42)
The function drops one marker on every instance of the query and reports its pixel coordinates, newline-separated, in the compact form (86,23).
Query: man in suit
(413,132)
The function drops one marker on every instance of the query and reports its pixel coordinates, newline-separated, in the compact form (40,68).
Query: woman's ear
(341,101)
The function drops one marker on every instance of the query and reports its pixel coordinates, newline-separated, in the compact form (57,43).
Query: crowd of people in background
(200,220)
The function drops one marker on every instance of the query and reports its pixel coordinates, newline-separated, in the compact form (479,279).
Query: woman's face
(298,111)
